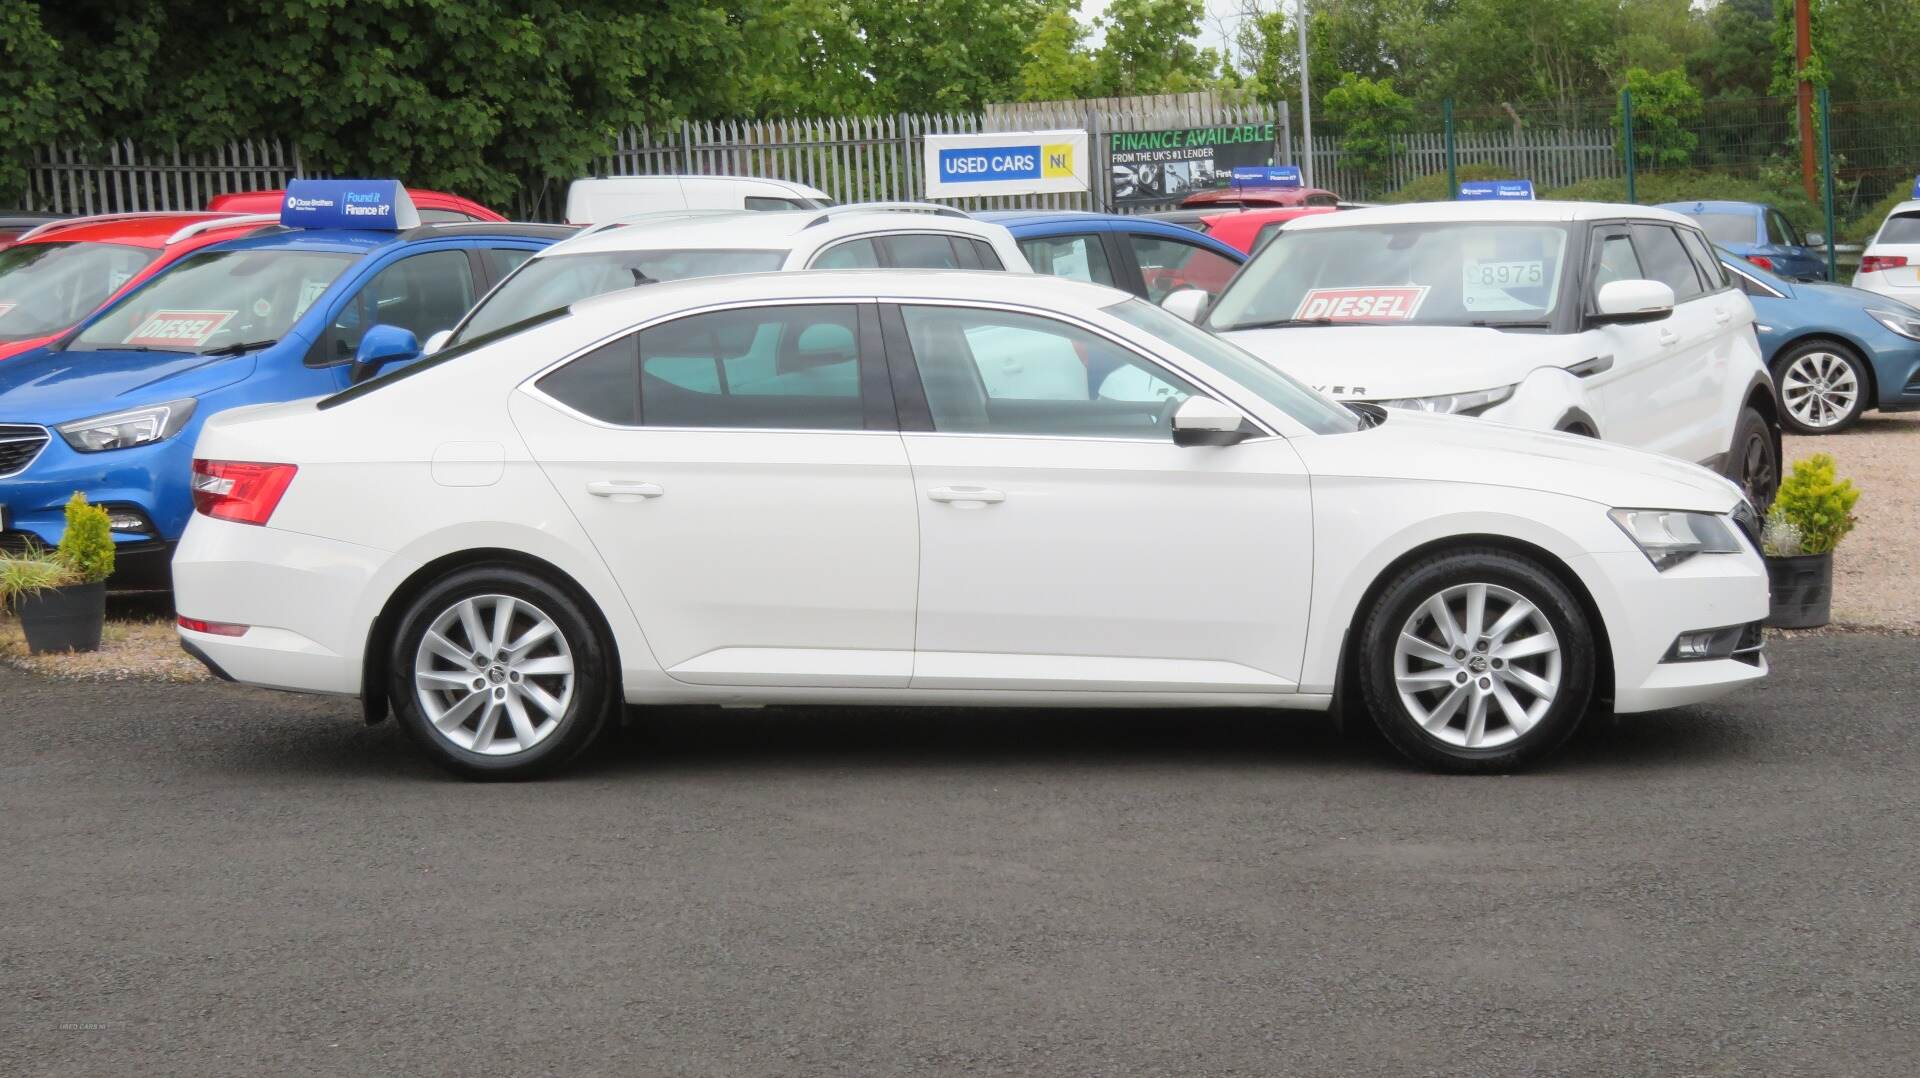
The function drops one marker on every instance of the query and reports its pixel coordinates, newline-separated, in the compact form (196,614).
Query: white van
(607,198)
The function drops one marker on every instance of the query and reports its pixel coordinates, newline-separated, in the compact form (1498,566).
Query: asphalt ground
(200,879)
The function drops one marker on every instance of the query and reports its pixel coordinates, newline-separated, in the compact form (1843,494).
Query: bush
(25,574)
(1862,228)
(1433,186)
(1817,502)
(1657,187)
(87,547)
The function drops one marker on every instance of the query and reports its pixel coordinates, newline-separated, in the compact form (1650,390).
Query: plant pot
(63,619)
(1802,588)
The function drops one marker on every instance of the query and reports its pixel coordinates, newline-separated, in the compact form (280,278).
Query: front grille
(18,448)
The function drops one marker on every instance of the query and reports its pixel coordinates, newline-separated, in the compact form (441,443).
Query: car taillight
(1762,261)
(213,628)
(240,491)
(1876,263)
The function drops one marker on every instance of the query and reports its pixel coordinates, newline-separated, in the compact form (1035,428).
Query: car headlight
(124,430)
(1452,403)
(1905,325)
(1668,537)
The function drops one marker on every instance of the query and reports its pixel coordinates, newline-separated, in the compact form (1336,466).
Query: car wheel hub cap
(1477,666)
(1819,389)
(494,675)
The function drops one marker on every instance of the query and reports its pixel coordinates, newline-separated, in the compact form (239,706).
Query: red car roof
(145,230)
(1255,196)
(269,202)
(1240,228)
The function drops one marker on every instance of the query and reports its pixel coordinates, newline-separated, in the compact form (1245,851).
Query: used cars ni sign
(941,488)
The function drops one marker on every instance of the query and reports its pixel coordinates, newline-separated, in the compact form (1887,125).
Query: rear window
(1727,228)
(1900,228)
(557,281)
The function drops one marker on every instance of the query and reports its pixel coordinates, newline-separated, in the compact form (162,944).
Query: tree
(28,56)
(1666,108)
(1058,65)
(1373,113)
(1150,48)
(1734,60)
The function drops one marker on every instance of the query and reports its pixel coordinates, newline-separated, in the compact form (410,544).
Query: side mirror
(1188,303)
(436,342)
(1205,421)
(1625,303)
(1816,239)
(380,346)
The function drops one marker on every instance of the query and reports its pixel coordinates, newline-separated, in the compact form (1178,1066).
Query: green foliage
(1149,48)
(28,57)
(86,549)
(1665,109)
(1058,65)
(1373,114)
(1862,228)
(1786,66)
(1657,187)
(1433,186)
(28,573)
(1731,62)
(1817,502)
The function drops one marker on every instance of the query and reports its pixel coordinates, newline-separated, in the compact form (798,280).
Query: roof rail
(230,221)
(653,216)
(935,208)
(70,222)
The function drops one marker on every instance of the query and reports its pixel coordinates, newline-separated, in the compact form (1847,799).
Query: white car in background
(941,488)
(1616,322)
(650,248)
(608,198)
(1890,264)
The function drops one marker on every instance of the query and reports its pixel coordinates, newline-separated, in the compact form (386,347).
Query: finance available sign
(1006,163)
(1154,166)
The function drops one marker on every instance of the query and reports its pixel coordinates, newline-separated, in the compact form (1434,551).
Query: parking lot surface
(202,879)
(1876,570)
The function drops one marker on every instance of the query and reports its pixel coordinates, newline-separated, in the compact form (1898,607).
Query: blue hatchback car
(1834,351)
(1760,234)
(1138,254)
(113,409)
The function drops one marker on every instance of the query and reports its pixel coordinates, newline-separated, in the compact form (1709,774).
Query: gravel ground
(1876,570)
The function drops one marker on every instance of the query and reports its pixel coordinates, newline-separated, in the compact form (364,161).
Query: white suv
(648,248)
(1602,320)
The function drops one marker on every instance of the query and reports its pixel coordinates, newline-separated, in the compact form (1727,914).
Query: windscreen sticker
(1503,285)
(1367,303)
(309,291)
(5,307)
(176,328)
(262,308)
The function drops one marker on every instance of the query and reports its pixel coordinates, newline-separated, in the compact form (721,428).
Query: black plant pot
(1802,589)
(64,619)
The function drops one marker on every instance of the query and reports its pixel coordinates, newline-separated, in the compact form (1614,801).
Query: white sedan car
(1616,322)
(940,488)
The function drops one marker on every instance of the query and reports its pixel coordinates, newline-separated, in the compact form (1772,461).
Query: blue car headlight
(124,430)
(1906,325)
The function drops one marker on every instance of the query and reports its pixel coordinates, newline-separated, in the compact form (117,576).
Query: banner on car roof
(1006,163)
(1496,190)
(1159,166)
(382,205)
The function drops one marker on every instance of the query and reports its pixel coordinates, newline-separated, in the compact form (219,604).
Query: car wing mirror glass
(382,346)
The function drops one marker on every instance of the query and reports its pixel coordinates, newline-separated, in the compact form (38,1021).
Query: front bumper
(1646,610)
(151,481)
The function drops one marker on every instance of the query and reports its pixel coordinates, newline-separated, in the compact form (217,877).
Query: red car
(1248,229)
(17,223)
(436,207)
(1248,198)
(54,276)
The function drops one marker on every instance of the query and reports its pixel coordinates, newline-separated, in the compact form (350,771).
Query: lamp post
(1306,105)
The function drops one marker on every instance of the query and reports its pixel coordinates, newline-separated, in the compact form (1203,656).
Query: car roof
(364,241)
(758,229)
(143,230)
(269,201)
(1490,212)
(629,305)
(1908,206)
(1713,206)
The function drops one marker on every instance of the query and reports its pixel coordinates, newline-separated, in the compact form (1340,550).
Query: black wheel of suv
(1822,387)
(498,674)
(1753,461)
(1476,660)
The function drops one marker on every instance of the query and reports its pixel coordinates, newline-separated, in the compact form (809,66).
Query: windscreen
(216,300)
(555,281)
(1417,274)
(1725,228)
(47,287)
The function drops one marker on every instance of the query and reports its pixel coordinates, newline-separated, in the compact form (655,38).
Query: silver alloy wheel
(1819,389)
(1477,665)
(493,674)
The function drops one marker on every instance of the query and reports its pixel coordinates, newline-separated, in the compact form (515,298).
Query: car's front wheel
(1822,386)
(1476,660)
(498,674)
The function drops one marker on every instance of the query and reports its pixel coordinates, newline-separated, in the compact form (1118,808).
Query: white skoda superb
(940,488)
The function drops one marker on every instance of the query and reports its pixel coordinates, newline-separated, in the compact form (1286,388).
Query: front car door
(1066,543)
(1694,346)
(1167,265)
(425,291)
(740,473)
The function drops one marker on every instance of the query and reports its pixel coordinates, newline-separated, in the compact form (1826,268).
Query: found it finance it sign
(1007,163)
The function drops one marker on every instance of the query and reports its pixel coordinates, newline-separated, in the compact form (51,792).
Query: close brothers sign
(1006,163)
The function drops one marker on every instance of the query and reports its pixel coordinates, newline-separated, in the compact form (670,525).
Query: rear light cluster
(240,491)
(1762,261)
(212,628)
(1876,263)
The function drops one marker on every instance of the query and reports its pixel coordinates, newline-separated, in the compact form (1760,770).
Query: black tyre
(1476,660)
(1822,387)
(499,674)
(1753,460)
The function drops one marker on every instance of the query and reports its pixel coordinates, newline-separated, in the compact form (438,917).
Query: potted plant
(1811,514)
(62,597)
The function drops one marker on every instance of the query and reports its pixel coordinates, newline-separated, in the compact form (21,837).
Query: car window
(854,254)
(46,287)
(425,293)
(763,367)
(604,383)
(1900,228)
(989,258)
(1001,372)
(1168,265)
(435,216)
(1704,261)
(1783,230)
(1079,258)
(217,299)
(501,261)
(1323,200)
(775,205)
(1267,232)
(1665,260)
(555,281)
(921,251)
(1615,260)
(1726,228)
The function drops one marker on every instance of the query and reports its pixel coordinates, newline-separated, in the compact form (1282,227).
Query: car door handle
(1668,338)
(1723,316)
(966,494)
(624,489)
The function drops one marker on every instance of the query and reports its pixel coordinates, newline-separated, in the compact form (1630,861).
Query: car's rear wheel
(1476,660)
(1822,387)
(498,674)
